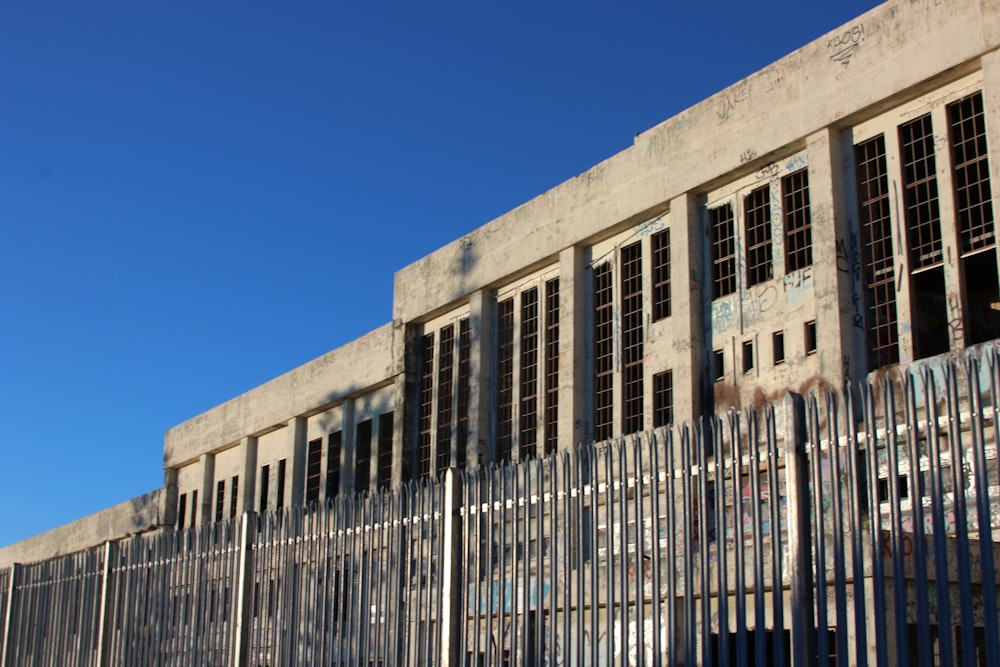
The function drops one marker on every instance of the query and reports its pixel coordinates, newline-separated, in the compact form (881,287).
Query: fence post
(8,625)
(104,620)
(799,538)
(244,589)
(451,574)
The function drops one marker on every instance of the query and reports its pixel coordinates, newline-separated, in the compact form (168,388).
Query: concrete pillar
(168,507)
(206,494)
(248,477)
(295,491)
(574,364)
(836,248)
(405,388)
(688,279)
(481,373)
(347,447)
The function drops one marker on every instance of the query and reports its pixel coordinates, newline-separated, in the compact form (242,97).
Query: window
(333,443)
(810,336)
(661,274)
(314,464)
(505,379)
(194,508)
(426,414)
(721,232)
(663,399)
(757,222)
(551,365)
(971,172)
(747,356)
(282,465)
(446,384)
(798,222)
(265,478)
(363,455)
(385,426)
(603,353)
(233,495)
(181,511)
(778,347)
(220,499)
(464,348)
(718,365)
(920,193)
(528,434)
(632,338)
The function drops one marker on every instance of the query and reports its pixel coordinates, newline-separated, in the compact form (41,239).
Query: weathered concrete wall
(840,76)
(349,370)
(139,515)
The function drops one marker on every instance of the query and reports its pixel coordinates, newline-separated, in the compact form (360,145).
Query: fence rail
(855,528)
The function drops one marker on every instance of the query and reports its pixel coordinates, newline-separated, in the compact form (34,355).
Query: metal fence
(855,528)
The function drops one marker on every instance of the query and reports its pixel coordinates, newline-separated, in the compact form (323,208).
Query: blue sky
(196,197)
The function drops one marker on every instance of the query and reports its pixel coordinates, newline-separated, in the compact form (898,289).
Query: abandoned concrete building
(828,217)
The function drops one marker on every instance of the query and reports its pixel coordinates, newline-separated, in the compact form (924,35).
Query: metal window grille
(604,354)
(385,426)
(920,193)
(333,443)
(505,379)
(462,430)
(426,414)
(314,465)
(446,388)
(234,496)
(220,499)
(877,253)
(661,274)
(971,172)
(551,365)
(363,455)
(757,222)
(663,399)
(632,338)
(721,230)
(265,480)
(527,441)
(798,221)
(282,469)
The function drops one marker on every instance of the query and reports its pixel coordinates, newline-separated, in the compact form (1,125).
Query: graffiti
(722,314)
(747,156)
(759,300)
(651,226)
(768,170)
(731,99)
(843,46)
(956,324)
(849,262)
(796,163)
(796,279)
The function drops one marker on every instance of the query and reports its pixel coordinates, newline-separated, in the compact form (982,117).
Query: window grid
(363,456)
(385,426)
(798,220)
(314,463)
(551,365)
(505,379)
(757,222)
(233,495)
(446,385)
(603,353)
(464,349)
(661,274)
(663,399)
(528,438)
(971,173)
(333,443)
(220,499)
(923,220)
(720,222)
(632,347)
(426,413)
(877,253)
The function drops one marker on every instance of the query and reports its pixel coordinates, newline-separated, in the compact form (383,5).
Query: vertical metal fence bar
(656,554)
(852,459)
(244,592)
(716,435)
(837,491)
(816,501)
(699,477)
(690,624)
(104,629)
(777,552)
(919,548)
(451,572)
(736,452)
(878,614)
(896,521)
(797,487)
(759,624)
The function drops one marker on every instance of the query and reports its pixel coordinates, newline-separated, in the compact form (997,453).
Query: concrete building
(828,217)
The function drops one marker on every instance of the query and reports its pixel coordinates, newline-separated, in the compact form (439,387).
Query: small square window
(778,345)
(811,337)
(747,356)
(718,366)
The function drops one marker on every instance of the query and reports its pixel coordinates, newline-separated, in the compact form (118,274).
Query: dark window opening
(971,173)
(663,399)
(426,414)
(603,353)
(877,253)
(220,499)
(798,221)
(661,274)
(333,443)
(446,387)
(181,511)
(282,469)
(721,232)
(314,464)
(810,337)
(528,432)
(747,356)
(233,495)
(505,379)
(462,431)
(265,479)
(632,339)
(902,487)
(385,426)
(757,222)
(778,347)
(923,220)
(718,366)
(363,455)
(982,297)
(930,314)
(551,365)
(194,508)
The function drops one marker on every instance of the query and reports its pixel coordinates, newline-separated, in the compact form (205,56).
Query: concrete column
(688,277)
(168,508)
(295,492)
(575,364)
(347,447)
(481,373)
(207,492)
(405,388)
(836,249)
(248,477)
(991,109)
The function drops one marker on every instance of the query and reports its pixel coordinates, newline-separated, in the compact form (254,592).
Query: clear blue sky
(196,197)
